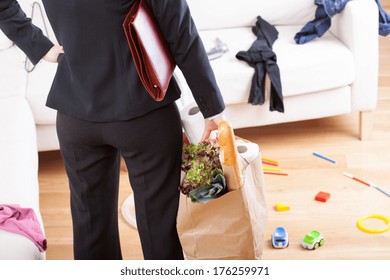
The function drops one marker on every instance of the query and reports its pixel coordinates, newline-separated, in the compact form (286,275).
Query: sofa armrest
(357,26)
(19,182)
(19,155)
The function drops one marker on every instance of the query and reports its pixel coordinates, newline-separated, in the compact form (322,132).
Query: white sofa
(18,173)
(332,75)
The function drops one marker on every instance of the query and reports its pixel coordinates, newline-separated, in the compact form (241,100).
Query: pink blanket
(16,219)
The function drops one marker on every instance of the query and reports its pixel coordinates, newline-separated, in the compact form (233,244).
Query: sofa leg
(366,123)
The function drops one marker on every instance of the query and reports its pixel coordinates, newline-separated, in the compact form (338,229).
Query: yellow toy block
(282,207)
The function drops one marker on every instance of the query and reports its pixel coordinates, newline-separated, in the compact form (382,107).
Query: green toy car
(313,240)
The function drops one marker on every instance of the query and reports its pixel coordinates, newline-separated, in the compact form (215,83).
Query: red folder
(150,51)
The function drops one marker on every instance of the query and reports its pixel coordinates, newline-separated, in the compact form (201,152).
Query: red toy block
(322,196)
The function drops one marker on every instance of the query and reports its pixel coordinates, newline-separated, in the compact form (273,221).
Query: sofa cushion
(316,66)
(215,14)
(38,85)
(18,247)
(12,73)
(5,43)
(19,154)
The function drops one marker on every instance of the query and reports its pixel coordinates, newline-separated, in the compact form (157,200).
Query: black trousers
(151,147)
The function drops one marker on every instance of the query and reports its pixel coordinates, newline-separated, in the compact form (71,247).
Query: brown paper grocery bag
(231,226)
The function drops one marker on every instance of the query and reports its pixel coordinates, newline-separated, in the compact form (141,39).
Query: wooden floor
(292,145)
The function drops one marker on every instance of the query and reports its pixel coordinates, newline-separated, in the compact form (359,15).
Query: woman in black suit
(104,113)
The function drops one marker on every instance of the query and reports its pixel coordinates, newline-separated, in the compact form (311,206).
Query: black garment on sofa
(261,57)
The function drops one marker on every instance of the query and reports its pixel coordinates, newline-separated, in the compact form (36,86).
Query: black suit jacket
(96,79)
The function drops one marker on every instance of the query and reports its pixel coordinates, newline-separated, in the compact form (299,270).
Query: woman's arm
(19,29)
(189,53)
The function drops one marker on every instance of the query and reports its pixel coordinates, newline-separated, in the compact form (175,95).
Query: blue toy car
(280,238)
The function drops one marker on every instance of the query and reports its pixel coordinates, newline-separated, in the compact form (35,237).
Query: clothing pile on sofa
(326,9)
(261,57)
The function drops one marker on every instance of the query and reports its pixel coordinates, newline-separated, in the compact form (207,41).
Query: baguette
(229,156)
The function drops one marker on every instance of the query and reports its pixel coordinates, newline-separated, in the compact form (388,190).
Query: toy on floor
(322,196)
(281,207)
(269,161)
(368,184)
(280,238)
(313,240)
(381,190)
(357,179)
(324,157)
(371,230)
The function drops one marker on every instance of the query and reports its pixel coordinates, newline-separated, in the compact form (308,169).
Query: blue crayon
(324,157)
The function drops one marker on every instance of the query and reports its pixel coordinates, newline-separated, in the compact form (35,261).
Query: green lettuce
(204,179)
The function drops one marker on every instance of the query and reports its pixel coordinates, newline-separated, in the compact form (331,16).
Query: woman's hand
(53,53)
(211,125)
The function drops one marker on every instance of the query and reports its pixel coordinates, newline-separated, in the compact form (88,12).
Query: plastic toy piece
(275,173)
(313,240)
(324,157)
(381,190)
(322,196)
(370,230)
(281,207)
(357,179)
(280,238)
(270,161)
